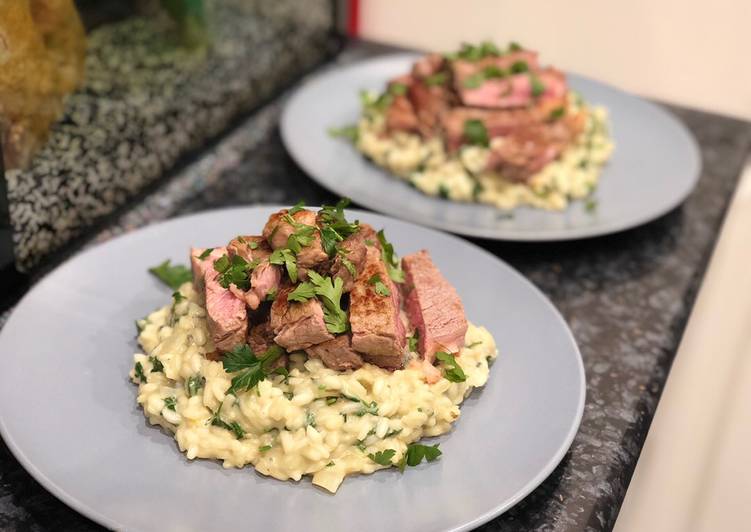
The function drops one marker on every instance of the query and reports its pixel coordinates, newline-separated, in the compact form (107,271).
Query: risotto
(313,421)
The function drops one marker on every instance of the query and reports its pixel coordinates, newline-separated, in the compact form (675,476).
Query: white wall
(691,52)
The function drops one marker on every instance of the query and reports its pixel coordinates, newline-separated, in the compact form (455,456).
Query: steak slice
(250,248)
(337,353)
(298,325)
(260,339)
(264,280)
(200,266)
(377,329)
(433,306)
(355,249)
(227,317)
(278,230)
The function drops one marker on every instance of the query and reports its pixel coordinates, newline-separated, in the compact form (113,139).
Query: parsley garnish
(287,258)
(392,433)
(156,365)
(251,369)
(329,291)
(435,79)
(302,235)
(453,371)
(519,66)
(493,71)
(415,454)
(334,226)
(590,205)
(172,276)
(367,408)
(443,191)
(538,87)
(302,293)
(398,89)
(233,427)
(139,372)
(474,81)
(383,457)
(557,113)
(205,254)
(264,448)
(194,384)
(474,344)
(177,296)
(514,47)
(476,133)
(310,419)
(390,259)
(331,400)
(300,205)
(330,464)
(233,271)
(380,288)
(346,262)
(413,341)
(170,402)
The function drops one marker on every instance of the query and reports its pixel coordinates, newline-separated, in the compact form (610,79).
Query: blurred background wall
(689,52)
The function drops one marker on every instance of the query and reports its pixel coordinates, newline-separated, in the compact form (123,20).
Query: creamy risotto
(427,166)
(315,421)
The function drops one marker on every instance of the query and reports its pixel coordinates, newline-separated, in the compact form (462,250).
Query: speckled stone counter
(626,297)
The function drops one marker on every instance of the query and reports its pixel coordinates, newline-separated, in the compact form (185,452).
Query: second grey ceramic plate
(655,165)
(68,410)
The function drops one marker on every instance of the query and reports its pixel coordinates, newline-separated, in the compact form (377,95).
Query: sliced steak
(278,230)
(264,280)
(433,306)
(297,325)
(400,115)
(227,317)
(377,330)
(200,266)
(355,249)
(428,65)
(261,338)
(514,91)
(250,247)
(463,69)
(337,353)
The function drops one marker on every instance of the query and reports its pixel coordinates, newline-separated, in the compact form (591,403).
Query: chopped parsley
(310,419)
(300,205)
(380,288)
(413,341)
(287,258)
(232,427)
(416,453)
(170,402)
(383,457)
(519,67)
(139,372)
(301,237)
(398,89)
(476,133)
(367,408)
(194,384)
(329,292)
(390,258)
(330,464)
(205,254)
(156,365)
(514,47)
(177,296)
(473,81)
(334,226)
(557,113)
(453,371)
(590,205)
(264,448)
(474,344)
(172,276)
(435,79)
(443,191)
(392,433)
(250,369)
(233,270)
(331,400)
(538,87)
(346,262)
(493,71)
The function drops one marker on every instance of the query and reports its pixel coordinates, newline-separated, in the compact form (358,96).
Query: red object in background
(353,18)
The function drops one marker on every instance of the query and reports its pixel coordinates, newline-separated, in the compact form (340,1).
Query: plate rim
(95,515)
(550,235)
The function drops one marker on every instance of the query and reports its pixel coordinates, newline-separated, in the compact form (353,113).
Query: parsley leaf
(435,79)
(380,288)
(390,259)
(302,293)
(170,402)
(139,372)
(177,296)
(514,47)
(287,258)
(414,341)
(194,384)
(297,208)
(330,293)
(538,87)
(416,453)
(476,133)
(251,369)
(590,205)
(233,271)
(264,448)
(557,113)
(346,262)
(302,235)
(172,276)
(474,344)
(519,66)
(493,71)
(205,254)
(383,457)
(232,427)
(474,81)
(156,365)
(453,371)
(398,89)
(334,226)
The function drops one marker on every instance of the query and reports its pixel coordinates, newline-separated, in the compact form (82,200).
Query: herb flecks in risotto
(291,397)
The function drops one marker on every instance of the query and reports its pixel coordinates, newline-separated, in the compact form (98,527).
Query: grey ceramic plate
(68,411)
(655,165)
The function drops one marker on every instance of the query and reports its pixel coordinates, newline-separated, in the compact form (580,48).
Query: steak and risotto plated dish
(309,349)
(485,125)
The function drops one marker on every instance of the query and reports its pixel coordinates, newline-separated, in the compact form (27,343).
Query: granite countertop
(626,297)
